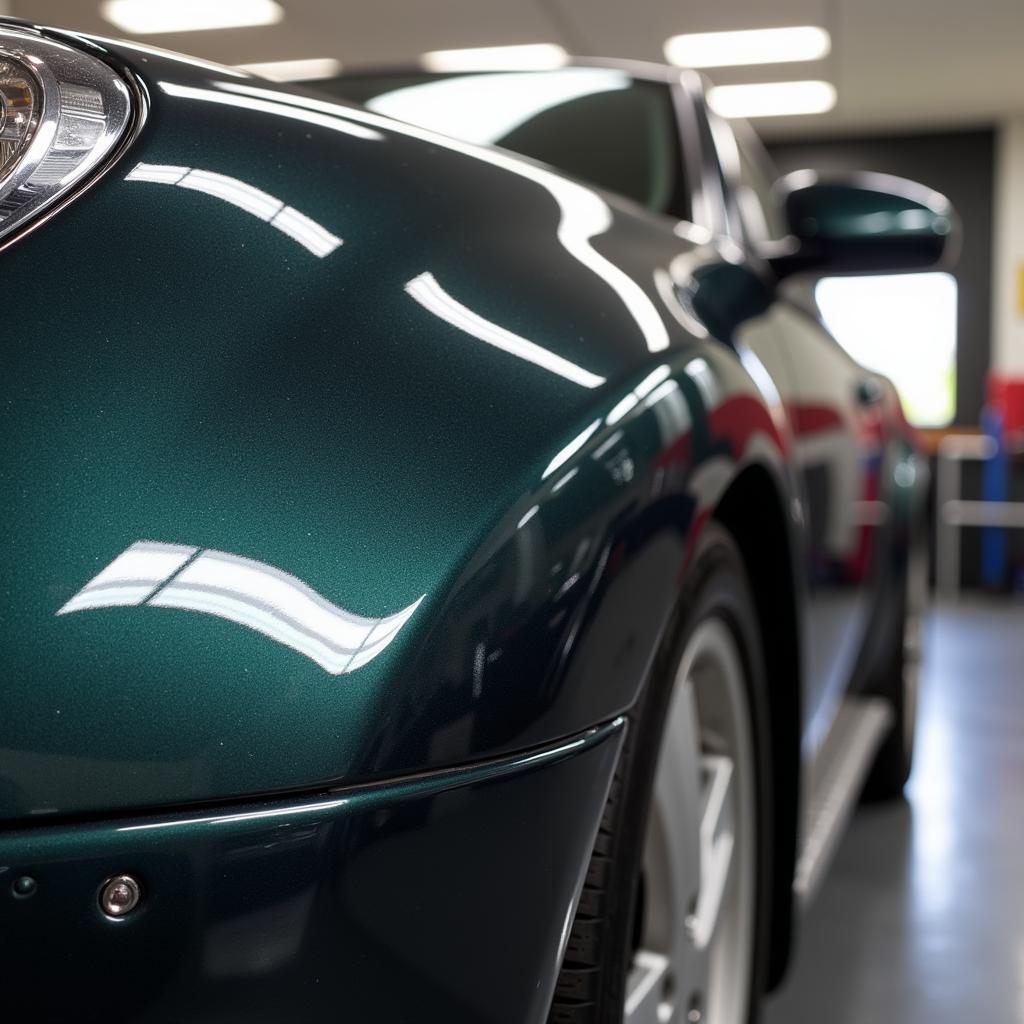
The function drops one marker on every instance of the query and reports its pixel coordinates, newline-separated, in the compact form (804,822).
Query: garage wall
(960,165)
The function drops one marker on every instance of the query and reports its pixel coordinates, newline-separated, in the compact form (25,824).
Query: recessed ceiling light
(305,70)
(772,99)
(145,17)
(755,46)
(532,57)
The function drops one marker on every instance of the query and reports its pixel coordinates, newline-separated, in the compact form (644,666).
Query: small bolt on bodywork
(24,887)
(120,895)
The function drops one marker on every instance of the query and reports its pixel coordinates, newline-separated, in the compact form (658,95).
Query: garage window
(599,125)
(902,325)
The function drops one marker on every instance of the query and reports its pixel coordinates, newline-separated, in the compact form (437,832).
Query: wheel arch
(753,510)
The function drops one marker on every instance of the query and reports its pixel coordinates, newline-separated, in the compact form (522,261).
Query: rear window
(599,125)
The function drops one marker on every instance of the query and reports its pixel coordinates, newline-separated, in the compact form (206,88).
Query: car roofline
(642,70)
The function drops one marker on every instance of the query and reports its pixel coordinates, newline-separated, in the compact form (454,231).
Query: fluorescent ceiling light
(305,70)
(144,17)
(756,46)
(531,57)
(772,99)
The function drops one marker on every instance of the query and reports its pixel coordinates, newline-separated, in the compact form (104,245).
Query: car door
(835,410)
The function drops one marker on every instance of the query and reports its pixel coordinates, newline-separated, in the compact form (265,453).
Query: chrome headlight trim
(80,110)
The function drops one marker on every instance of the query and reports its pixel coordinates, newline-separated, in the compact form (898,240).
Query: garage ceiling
(897,64)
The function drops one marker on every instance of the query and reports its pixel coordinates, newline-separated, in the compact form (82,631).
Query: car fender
(349,489)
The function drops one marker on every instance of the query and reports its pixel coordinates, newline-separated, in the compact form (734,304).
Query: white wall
(1008,253)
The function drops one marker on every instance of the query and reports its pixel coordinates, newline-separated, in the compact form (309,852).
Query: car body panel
(343,903)
(830,405)
(837,450)
(350,469)
(849,439)
(253,399)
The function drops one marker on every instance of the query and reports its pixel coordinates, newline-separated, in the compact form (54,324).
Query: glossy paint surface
(339,452)
(848,472)
(867,222)
(342,904)
(314,475)
(859,484)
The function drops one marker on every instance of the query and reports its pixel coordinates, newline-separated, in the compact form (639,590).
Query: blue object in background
(995,482)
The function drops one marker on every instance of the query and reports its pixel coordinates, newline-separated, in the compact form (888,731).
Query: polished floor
(921,920)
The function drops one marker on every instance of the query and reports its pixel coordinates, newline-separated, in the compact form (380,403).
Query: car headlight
(61,112)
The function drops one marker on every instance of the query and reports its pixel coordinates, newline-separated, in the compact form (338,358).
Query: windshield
(599,125)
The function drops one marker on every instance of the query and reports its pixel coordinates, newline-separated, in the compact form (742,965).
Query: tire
(897,680)
(612,917)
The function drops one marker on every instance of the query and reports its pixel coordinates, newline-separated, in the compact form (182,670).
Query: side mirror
(725,295)
(862,223)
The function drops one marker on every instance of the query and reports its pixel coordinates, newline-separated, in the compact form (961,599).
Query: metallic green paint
(334,904)
(345,368)
(865,223)
(218,373)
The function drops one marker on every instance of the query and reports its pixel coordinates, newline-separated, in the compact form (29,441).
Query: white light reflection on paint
(298,108)
(701,374)
(131,577)
(528,515)
(584,213)
(673,300)
(297,226)
(759,375)
(570,449)
(651,381)
(621,408)
(608,445)
(641,391)
(234,819)
(764,383)
(170,55)
(245,591)
(670,410)
(661,391)
(565,479)
(429,294)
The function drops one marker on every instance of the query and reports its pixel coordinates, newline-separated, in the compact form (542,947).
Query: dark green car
(446,574)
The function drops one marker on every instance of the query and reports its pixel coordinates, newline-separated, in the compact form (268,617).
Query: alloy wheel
(696,935)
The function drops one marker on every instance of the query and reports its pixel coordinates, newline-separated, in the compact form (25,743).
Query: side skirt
(836,779)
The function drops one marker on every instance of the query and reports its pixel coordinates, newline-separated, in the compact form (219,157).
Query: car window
(599,125)
(760,212)
(753,214)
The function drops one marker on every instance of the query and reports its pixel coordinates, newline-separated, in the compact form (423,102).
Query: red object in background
(1006,399)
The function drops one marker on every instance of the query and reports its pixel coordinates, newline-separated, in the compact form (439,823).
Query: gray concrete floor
(921,920)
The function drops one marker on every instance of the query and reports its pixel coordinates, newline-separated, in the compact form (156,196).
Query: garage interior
(930,90)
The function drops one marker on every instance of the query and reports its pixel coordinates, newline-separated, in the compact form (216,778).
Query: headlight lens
(18,96)
(61,112)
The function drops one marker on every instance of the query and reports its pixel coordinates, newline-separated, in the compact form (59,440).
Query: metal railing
(954,512)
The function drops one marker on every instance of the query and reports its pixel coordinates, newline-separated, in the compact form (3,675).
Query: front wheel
(670,923)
